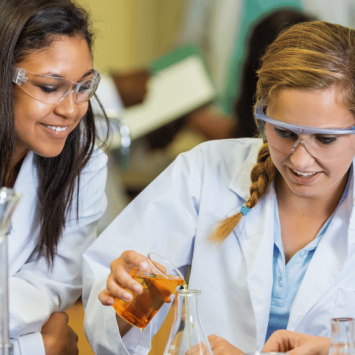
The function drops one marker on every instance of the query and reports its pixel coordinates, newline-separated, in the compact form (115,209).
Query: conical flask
(187,335)
(8,201)
(342,337)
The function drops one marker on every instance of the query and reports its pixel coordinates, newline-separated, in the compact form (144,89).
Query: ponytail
(262,174)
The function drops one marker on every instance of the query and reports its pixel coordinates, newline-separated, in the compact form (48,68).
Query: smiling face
(301,173)
(40,127)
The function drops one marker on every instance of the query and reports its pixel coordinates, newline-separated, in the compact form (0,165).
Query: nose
(300,156)
(67,106)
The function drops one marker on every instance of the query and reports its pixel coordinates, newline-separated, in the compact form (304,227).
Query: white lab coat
(35,291)
(175,215)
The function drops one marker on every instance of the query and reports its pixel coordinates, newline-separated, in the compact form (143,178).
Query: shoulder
(98,161)
(237,145)
(94,174)
(229,152)
(92,182)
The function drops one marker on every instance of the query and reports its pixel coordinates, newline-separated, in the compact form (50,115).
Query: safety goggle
(52,89)
(322,143)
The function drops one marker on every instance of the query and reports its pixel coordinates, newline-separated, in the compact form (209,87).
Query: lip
(57,134)
(303,180)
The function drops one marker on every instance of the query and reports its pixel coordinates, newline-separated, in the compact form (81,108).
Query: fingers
(272,345)
(134,259)
(297,343)
(313,345)
(220,346)
(106,298)
(120,283)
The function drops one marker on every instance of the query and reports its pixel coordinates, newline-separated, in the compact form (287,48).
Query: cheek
(277,157)
(83,109)
(27,109)
(339,166)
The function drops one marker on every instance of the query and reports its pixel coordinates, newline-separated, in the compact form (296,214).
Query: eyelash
(322,139)
(48,89)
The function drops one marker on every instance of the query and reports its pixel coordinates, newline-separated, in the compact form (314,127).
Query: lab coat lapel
(240,183)
(351,234)
(256,235)
(326,263)
(21,233)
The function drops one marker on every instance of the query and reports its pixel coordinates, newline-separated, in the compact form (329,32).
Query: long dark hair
(27,25)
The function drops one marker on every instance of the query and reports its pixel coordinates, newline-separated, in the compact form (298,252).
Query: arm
(161,219)
(297,343)
(37,291)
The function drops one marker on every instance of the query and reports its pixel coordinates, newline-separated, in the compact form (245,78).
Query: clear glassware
(187,335)
(158,284)
(342,340)
(8,202)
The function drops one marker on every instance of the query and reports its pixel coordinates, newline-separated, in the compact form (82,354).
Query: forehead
(66,56)
(321,108)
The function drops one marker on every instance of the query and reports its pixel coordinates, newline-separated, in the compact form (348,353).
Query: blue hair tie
(244,210)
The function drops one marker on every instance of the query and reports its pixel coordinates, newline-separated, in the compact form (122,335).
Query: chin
(50,153)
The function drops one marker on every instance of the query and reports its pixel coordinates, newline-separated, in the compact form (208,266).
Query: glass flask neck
(8,202)
(342,339)
(187,333)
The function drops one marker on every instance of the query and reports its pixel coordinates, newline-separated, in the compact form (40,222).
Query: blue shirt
(288,278)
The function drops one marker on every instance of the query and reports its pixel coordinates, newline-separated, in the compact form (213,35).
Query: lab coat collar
(351,201)
(241,182)
(21,232)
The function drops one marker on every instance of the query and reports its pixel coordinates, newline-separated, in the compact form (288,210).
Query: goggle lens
(319,146)
(324,144)
(53,90)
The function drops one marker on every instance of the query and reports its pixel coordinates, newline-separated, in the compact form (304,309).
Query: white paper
(172,93)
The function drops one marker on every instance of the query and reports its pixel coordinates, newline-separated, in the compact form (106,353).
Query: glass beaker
(158,285)
(8,202)
(187,335)
(342,340)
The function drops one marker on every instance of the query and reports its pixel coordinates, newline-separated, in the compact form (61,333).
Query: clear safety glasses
(52,89)
(322,143)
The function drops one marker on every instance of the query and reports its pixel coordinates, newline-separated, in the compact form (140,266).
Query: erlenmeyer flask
(8,201)
(342,337)
(187,335)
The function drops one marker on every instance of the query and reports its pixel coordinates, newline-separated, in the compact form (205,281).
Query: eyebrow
(58,76)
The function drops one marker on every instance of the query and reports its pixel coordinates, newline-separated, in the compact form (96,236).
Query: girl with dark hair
(48,153)
(266,224)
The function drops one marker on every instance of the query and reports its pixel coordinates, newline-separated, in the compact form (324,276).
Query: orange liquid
(143,307)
